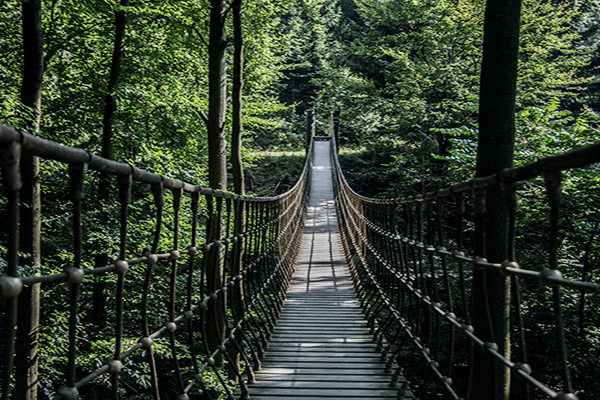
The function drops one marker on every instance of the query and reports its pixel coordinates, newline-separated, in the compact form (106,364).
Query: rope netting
(413,262)
(179,304)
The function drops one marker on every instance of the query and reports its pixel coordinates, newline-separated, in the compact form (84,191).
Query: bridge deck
(321,347)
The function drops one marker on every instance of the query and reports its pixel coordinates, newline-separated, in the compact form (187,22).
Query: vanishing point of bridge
(321,347)
(316,293)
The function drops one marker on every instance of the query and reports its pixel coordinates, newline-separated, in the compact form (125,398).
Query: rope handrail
(256,244)
(415,290)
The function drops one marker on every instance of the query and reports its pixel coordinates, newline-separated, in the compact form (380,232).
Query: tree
(237,168)
(217,158)
(26,358)
(491,290)
(110,104)
(238,85)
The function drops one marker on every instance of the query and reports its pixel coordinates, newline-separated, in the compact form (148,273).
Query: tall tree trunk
(217,159)
(28,303)
(491,380)
(238,85)
(238,170)
(110,104)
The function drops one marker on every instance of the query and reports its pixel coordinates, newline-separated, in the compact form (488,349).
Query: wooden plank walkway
(321,347)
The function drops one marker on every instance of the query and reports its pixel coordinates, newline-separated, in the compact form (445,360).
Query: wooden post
(335,119)
(310,127)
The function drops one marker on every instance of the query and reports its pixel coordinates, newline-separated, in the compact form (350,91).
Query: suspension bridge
(318,293)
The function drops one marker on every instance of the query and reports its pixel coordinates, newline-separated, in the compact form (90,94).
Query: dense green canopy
(404,74)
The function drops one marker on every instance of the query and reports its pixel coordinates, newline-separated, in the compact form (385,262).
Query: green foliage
(269,175)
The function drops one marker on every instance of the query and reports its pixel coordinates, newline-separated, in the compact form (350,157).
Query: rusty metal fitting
(121,266)
(547,274)
(458,253)
(476,261)
(114,366)
(521,367)
(174,254)
(509,264)
(490,346)
(10,286)
(74,275)
(146,342)
(151,259)
(67,392)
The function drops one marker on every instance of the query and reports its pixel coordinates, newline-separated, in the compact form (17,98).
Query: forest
(134,81)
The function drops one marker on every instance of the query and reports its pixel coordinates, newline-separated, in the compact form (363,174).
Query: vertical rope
(175,254)
(124,187)
(151,260)
(459,199)
(77,177)
(553,187)
(192,251)
(510,199)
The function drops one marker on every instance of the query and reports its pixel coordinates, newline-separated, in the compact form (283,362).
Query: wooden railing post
(310,127)
(335,123)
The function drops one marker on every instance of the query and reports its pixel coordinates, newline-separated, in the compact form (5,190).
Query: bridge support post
(335,123)
(310,127)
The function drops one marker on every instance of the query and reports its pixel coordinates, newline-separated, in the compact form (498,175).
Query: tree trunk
(238,85)
(489,379)
(238,174)
(110,104)
(28,304)
(217,159)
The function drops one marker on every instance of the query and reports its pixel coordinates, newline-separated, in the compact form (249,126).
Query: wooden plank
(339,384)
(301,377)
(327,392)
